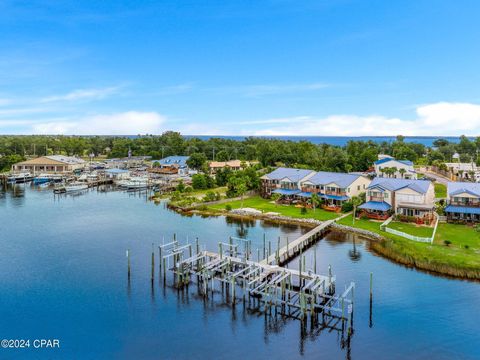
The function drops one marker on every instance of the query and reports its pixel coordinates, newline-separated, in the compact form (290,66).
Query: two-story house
(403,168)
(284,181)
(334,188)
(463,200)
(386,196)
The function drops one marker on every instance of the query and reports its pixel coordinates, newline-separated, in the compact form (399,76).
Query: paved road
(438,178)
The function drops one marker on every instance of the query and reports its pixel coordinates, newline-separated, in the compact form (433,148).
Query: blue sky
(249,67)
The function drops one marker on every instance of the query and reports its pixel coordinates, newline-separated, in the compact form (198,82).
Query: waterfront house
(51,164)
(463,202)
(284,181)
(334,188)
(409,198)
(171,165)
(233,165)
(403,169)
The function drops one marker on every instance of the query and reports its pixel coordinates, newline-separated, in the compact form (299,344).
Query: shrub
(303,210)
(209,196)
(447,242)
(466,247)
(347,206)
(228,207)
(188,189)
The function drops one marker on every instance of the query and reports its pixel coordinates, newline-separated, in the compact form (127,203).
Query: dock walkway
(290,250)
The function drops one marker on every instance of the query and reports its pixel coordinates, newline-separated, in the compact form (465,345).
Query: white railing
(408,236)
(412,237)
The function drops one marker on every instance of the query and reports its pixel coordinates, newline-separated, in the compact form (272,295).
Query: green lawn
(412,229)
(440,190)
(266,205)
(459,236)
(364,224)
(438,255)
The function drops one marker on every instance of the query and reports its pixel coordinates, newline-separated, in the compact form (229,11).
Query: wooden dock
(290,292)
(291,250)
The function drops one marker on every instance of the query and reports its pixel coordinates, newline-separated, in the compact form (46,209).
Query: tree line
(354,156)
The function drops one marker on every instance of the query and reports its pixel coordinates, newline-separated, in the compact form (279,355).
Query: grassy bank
(461,258)
(266,205)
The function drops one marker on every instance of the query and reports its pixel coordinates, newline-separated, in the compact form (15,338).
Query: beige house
(463,202)
(53,164)
(234,165)
(399,196)
(335,188)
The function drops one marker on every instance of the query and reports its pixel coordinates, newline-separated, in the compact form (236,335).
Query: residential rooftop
(405,162)
(392,184)
(455,188)
(343,180)
(294,175)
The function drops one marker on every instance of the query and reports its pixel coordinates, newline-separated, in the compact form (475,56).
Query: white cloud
(435,119)
(83,94)
(126,123)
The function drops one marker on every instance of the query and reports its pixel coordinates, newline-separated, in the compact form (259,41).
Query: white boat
(70,188)
(75,187)
(134,183)
(20,178)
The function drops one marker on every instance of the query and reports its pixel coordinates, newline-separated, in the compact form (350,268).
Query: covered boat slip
(462,213)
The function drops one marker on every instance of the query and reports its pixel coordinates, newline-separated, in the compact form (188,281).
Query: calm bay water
(63,275)
(342,140)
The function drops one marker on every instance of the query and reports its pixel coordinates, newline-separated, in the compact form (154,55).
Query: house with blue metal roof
(403,168)
(463,202)
(284,181)
(335,188)
(410,198)
(173,164)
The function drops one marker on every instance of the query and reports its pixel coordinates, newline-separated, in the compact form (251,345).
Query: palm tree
(402,172)
(315,201)
(356,201)
(394,170)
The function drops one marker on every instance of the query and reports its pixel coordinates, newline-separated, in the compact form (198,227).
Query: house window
(385,195)
(358,187)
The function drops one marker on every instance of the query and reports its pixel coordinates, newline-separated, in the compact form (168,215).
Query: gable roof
(382,161)
(180,161)
(53,160)
(420,186)
(292,174)
(455,188)
(325,177)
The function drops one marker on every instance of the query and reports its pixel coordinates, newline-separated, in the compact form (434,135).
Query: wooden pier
(290,292)
(291,250)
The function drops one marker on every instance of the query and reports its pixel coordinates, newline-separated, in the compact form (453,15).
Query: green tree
(197,161)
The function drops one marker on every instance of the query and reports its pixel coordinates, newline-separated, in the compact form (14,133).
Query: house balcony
(376,198)
(336,193)
(465,203)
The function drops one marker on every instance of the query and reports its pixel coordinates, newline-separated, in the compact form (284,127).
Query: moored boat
(47,178)
(75,187)
(19,178)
